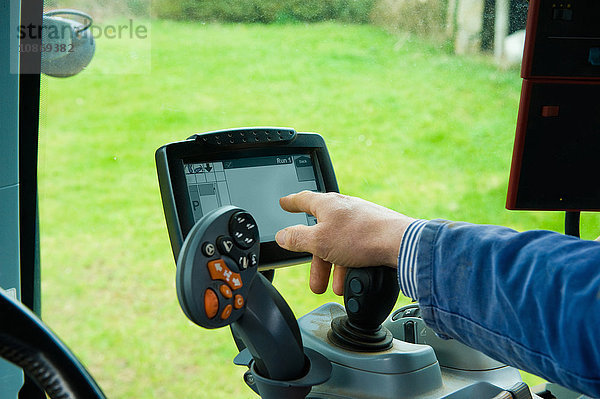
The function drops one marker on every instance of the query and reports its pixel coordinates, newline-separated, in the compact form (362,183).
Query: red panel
(531,29)
(515,168)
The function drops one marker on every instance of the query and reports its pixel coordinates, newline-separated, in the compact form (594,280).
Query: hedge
(265,11)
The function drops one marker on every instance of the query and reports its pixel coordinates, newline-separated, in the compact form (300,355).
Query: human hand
(350,232)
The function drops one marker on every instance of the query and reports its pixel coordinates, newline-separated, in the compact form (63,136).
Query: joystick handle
(369,295)
(269,330)
(218,285)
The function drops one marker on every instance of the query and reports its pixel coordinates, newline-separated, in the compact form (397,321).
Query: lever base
(347,336)
(318,370)
(404,371)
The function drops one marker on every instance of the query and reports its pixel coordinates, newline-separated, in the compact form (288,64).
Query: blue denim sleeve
(531,300)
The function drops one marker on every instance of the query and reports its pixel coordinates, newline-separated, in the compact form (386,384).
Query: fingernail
(280,237)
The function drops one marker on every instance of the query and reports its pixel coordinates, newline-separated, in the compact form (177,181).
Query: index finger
(304,201)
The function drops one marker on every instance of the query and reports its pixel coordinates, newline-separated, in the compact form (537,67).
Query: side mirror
(67,45)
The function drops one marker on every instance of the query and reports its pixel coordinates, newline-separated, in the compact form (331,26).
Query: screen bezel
(176,201)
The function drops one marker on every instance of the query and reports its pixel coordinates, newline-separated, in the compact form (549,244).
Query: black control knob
(370,293)
(243,229)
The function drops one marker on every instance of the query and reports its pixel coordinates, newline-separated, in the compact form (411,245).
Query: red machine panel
(556,155)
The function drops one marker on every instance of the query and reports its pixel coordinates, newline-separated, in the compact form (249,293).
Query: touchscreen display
(254,184)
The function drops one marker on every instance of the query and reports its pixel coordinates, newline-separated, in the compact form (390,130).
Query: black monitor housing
(246,167)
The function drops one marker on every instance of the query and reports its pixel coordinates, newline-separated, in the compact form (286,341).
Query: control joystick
(370,293)
(218,284)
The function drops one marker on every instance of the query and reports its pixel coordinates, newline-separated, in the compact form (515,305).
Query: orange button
(238,302)
(226,291)
(211,303)
(226,312)
(219,271)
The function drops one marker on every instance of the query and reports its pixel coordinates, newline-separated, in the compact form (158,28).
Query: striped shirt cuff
(407,258)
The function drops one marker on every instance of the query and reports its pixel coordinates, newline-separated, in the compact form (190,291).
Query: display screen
(254,184)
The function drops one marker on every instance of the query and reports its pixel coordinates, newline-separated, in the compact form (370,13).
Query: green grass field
(408,126)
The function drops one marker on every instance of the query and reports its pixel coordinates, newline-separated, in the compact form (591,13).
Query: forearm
(529,299)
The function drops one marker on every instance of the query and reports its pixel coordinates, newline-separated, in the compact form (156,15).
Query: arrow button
(218,270)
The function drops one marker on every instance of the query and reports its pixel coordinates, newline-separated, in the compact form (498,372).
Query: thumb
(298,238)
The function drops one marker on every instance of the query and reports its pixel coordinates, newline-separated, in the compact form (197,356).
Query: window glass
(416,99)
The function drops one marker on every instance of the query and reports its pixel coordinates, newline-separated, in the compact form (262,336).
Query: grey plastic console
(406,325)
(406,370)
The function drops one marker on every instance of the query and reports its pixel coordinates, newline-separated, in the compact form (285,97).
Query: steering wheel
(28,343)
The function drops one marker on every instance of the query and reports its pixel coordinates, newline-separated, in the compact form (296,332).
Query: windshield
(416,99)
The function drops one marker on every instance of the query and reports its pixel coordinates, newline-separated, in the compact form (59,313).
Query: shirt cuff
(407,259)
